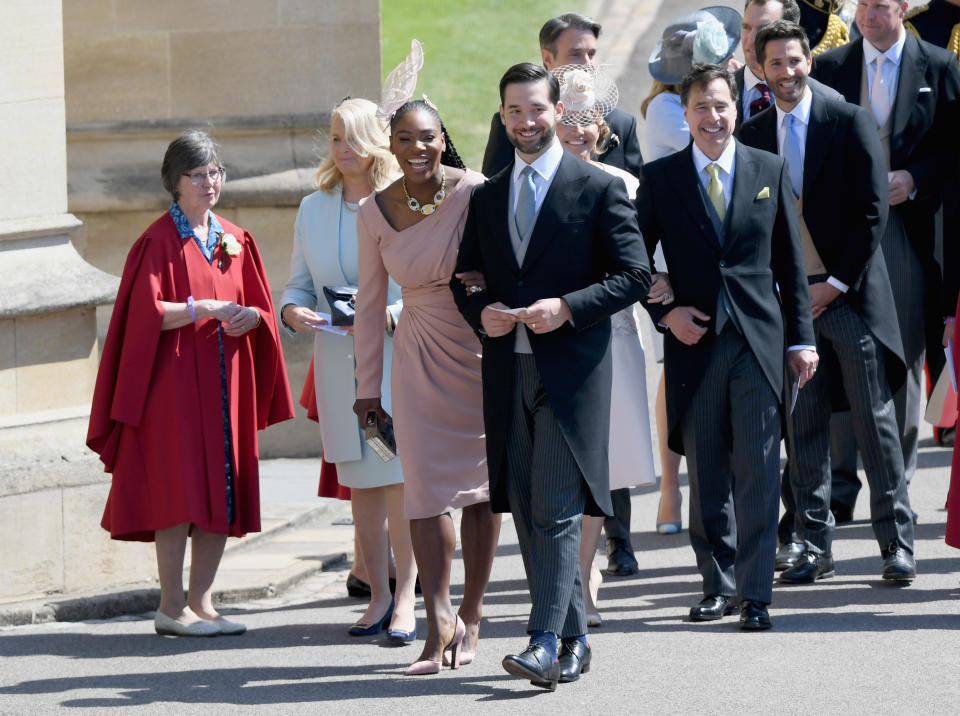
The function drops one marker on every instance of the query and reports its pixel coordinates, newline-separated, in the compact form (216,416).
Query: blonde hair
(366,136)
(656,88)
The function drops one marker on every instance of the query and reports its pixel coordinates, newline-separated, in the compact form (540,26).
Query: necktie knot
(714,171)
(763,101)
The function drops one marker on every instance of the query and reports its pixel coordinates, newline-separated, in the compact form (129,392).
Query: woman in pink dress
(411,232)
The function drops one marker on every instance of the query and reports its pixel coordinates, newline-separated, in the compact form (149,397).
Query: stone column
(51,489)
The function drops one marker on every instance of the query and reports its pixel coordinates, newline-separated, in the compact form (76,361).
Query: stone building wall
(260,75)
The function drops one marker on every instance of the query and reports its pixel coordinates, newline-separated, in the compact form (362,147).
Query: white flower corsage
(578,94)
(231,247)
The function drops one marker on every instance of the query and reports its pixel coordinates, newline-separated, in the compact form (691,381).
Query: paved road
(851,644)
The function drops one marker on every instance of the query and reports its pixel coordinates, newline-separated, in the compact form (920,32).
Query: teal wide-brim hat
(710,34)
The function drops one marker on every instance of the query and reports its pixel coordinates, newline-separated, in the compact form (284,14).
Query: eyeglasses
(215,176)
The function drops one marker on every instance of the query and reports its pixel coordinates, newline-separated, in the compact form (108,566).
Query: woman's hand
(302,320)
(223,311)
(364,406)
(660,290)
(474,281)
(243,321)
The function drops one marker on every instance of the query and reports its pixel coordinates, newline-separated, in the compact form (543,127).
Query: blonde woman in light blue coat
(325,254)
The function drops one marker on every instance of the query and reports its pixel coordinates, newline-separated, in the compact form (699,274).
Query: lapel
(566,187)
(913,67)
(682,173)
(819,131)
(766,129)
(329,260)
(497,201)
(847,80)
(745,188)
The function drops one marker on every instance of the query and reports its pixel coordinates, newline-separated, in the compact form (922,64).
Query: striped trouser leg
(547,496)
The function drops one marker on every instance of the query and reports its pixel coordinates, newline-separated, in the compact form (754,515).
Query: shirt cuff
(286,326)
(837,284)
(802,348)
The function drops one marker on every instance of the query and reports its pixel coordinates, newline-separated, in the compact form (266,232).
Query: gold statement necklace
(438,198)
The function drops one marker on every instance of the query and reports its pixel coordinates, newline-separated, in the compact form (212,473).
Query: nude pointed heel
(456,643)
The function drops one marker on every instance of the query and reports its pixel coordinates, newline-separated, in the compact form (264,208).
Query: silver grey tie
(526,204)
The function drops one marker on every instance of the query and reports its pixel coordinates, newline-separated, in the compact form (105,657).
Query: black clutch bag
(343,304)
(379,436)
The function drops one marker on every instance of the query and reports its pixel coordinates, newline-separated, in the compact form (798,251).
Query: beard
(546,137)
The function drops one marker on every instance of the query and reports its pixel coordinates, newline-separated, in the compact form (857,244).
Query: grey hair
(194,148)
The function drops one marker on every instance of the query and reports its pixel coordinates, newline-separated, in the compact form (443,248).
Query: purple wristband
(193,314)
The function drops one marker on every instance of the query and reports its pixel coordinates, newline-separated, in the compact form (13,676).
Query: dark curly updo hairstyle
(450,157)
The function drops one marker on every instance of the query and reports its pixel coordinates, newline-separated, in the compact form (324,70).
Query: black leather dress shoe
(788,554)
(712,608)
(842,514)
(574,660)
(809,568)
(898,565)
(534,663)
(754,616)
(620,559)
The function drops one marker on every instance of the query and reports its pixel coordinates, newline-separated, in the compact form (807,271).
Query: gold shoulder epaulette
(916,11)
(953,44)
(824,6)
(836,34)
(908,26)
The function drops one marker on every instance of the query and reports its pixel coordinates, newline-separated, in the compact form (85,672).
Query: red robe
(953,495)
(157,417)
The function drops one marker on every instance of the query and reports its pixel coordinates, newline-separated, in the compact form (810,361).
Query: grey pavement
(851,644)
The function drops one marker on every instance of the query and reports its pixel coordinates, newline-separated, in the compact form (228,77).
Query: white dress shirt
(801,121)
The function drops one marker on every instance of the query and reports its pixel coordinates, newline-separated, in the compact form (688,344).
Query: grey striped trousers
(846,345)
(547,496)
(731,437)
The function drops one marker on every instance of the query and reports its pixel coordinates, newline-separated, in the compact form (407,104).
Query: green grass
(467,46)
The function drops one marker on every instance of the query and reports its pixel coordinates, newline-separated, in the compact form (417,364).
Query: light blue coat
(315,263)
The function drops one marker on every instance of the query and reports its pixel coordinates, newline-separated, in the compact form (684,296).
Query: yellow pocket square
(764,193)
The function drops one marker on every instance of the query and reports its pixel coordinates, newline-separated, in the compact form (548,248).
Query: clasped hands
(236,319)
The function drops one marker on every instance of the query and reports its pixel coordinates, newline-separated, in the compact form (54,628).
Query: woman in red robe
(191,369)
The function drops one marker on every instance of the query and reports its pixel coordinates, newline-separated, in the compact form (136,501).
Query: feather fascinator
(400,83)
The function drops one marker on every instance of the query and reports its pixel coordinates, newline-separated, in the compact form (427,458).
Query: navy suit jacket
(586,248)
(760,247)
(845,207)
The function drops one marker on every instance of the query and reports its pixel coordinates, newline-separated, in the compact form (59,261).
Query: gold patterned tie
(715,190)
